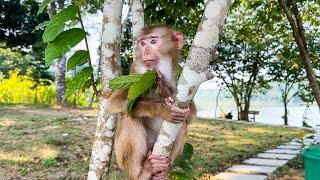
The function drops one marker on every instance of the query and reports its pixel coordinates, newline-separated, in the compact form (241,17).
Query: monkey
(158,49)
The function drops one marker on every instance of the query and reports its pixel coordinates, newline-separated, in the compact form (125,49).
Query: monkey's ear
(178,39)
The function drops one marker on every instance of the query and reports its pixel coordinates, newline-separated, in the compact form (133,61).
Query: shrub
(22,89)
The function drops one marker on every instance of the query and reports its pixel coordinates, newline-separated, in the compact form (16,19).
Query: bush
(22,89)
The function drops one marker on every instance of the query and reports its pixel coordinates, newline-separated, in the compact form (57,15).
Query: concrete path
(267,162)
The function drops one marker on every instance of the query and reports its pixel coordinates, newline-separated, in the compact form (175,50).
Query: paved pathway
(267,162)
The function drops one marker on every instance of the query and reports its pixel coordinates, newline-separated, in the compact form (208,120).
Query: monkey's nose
(146,50)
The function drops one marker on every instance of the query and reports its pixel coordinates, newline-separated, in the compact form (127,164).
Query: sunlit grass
(15,157)
(46,151)
(259,130)
(7,122)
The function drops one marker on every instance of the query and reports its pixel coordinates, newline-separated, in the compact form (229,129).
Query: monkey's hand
(160,166)
(178,115)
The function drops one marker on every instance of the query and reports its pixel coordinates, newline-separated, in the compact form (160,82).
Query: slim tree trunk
(195,70)
(285,116)
(60,73)
(299,36)
(109,68)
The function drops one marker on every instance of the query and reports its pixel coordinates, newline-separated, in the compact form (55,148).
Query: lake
(269,112)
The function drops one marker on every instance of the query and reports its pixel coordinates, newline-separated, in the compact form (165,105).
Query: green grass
(37,142)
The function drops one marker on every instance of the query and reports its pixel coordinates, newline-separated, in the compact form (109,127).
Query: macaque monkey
(158,49)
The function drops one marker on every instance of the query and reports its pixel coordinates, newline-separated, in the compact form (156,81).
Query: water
(269,112)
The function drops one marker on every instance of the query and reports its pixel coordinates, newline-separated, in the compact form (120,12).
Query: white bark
(137,21)
(195,71)
(110,68)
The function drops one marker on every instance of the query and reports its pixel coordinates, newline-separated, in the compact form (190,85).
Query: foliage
(126,51)
(138,85)
(55,25)
(60,42)
(183,166)
(22,89)
(77,59)
(123,82)
(11,60)
(17,22)
(79,80)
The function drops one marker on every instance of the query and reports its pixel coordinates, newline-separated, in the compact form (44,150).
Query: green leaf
(187,151)
(140,87)
(56,24)
(77,59)
(130,104)
(41,25)
(123,82)
(78,81)
(63,43)
(87,84)
(43,5)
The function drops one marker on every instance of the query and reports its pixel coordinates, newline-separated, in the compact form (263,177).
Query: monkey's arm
(117,101)
(148,108)
(143,107)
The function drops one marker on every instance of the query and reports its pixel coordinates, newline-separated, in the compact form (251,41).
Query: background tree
(17,32)
(296,22)
(244,50)
(287,70)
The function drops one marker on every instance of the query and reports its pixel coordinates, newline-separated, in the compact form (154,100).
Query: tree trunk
(60,73)
(195,70)
(299,36)
(109,68)
(137,22)
(244,115)
(60,67)
(285,116)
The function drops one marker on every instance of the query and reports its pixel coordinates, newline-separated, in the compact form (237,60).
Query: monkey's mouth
(150,63)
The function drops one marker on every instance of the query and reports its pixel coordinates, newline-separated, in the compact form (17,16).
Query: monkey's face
(152,49)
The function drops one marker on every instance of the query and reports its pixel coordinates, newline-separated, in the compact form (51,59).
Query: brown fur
(131,145)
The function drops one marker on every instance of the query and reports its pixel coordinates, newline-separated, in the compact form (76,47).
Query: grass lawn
(50,143)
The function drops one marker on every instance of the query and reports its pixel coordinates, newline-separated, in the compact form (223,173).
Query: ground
(55,143)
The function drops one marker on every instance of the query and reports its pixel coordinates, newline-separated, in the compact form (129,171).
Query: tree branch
(89,60)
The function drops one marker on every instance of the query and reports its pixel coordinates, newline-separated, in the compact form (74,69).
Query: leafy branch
(138,85)
(89,58)
(60,42)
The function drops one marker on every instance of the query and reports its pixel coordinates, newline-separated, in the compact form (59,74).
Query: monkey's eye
(142,43)
(153,41)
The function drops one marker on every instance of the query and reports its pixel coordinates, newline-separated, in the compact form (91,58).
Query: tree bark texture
(299,36)
(196,69)
(109,69)
(137,22)
(60,73)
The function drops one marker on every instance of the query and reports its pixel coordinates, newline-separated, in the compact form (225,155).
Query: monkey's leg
(131,147)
